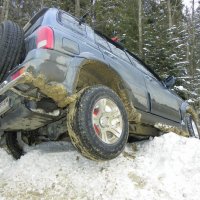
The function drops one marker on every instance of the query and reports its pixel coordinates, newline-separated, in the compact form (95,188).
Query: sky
(189,4)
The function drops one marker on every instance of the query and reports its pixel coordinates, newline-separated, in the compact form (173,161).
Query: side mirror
(169,81)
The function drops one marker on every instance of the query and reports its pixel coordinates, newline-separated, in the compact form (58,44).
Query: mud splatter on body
(53,90)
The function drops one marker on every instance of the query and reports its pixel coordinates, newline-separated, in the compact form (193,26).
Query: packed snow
(181,88)
(166,167)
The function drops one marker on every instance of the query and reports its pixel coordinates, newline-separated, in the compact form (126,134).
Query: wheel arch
(185,109)
(93,72)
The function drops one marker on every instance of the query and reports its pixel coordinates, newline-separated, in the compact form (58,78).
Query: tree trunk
(42,4)
(188,28)
(169,13)
(77,8)
(193,42)
(140,14)
(5,10)
(93,2)
(93,12)
(188,52)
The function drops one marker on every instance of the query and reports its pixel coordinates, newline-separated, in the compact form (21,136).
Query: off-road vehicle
(59,77)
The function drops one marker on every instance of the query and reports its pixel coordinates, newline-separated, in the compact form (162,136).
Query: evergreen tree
(164,47)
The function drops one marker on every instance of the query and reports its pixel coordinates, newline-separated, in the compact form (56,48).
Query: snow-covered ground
(166,167)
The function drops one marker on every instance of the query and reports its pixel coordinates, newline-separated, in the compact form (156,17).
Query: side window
(90,33)
(140,66)
(119,53)
(100,41)
(71,23)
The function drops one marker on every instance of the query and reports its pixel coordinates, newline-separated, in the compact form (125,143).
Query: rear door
(120,62)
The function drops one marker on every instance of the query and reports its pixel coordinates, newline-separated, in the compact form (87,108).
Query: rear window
(119,52)
(72,23)
(34,26)
(142,67)
(35,22)
(101,42)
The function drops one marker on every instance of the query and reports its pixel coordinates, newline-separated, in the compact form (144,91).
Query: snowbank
(181,88)
(167,167)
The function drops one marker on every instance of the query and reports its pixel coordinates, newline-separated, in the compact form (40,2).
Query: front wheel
(192,127)
(98,124)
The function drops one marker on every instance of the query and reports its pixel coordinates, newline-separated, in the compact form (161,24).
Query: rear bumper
(7,85)
(53,65)
(45,70)
(23,112)
(22,116)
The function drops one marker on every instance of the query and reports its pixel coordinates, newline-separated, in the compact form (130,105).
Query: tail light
(18,73)
(45,38)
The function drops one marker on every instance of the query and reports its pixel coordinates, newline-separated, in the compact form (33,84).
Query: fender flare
(72,79)
(76,65)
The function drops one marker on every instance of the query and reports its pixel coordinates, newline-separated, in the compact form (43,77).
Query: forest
(163,33)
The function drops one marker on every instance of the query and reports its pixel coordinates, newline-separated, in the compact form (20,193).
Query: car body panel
(163,102)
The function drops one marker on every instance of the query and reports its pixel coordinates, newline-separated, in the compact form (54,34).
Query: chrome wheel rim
(195,129)
(107,121)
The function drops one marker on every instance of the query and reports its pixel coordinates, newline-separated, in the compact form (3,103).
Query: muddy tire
(192,127)
(11,47)
(13,145)
(98,124)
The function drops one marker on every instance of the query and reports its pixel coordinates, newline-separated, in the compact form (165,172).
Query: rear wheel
(98,124)
(11,47)
(17,142)
(13,144)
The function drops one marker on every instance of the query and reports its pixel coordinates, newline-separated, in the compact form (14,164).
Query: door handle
(109,54)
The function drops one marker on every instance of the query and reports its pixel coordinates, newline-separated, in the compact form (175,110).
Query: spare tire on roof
(11,47)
